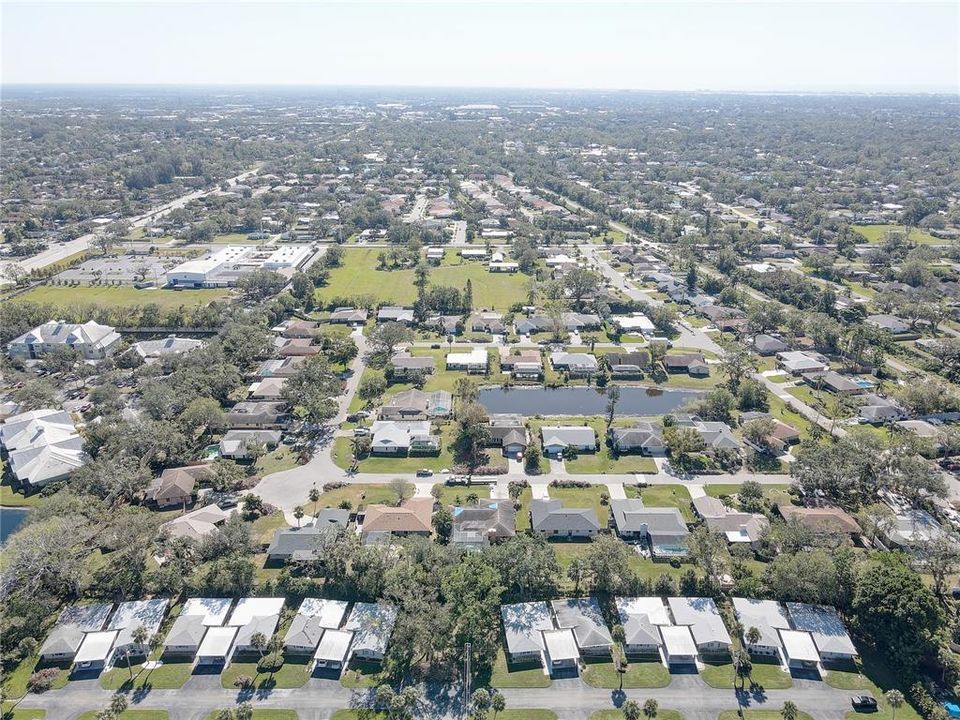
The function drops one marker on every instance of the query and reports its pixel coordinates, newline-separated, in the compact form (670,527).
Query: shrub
(243,682)
(270,663)
(43,680)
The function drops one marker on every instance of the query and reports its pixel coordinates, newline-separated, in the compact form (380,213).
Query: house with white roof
(799,649)
(641,618)
(217,646)
(555,439)
(474,362)
(333,650)
(561,650)
(190,627)
(678,645)
(584,617)
(371,625)
(42,446)
(314,617)
(768,617)
(91,340)
(523,628)
(254,615)
(827,629)
(706,624)
(131,616)
(95,651)
(74,623)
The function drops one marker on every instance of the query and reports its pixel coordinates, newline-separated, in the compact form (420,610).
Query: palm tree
(753,636)
(314,498)
(790,711)
(650,708)
(631,710)
(742,666)
(895,699)
(118,703)
(139,636)
(259,641)
(498,703)
(298,514)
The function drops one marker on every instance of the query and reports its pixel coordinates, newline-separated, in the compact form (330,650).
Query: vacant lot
(358,275)
(664,496)
(876,234)
(119,296)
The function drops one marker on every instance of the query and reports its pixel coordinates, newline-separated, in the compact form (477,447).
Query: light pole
(467,648)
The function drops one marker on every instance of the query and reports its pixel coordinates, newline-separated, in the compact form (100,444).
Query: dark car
(424,473)
(864,703)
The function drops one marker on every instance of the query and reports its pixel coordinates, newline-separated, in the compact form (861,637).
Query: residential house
(90,340)
(912,529)
(314,617)
(662,527)
(95,651)
(827,629)
(641,618)
(643,437)
(526,365)
(236,444)
(299,329)
(282,367)
(333,650)
(152,350)
(216,648)
(42,446)
(395,314)
(628,366)
(509,433)
(833,382)
(252,616)
(706,625)
(523,628)
(584,617)
(129,618)
(679,647)
(415,404)
(556,439)
(267,388)
(259,415)
(798,362)
(297,347)
(403,437)
(737,527)
(578,322)
(638,323)
(74,622)
(768,345)
(477,526)
(548,518)
(406,365)
(532,325)
(799,650)
(693,364)
(196,524)
(198,614)
(889,323)
(486,321)
(176,486)
(474,362)
(348,316)
(413,517)
(304,543)
(826,519)
(574,364)
(371,625)
(560,648)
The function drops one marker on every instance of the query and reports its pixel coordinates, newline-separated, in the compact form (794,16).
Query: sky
(719,46)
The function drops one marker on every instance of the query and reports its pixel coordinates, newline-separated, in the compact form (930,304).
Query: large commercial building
(225,267)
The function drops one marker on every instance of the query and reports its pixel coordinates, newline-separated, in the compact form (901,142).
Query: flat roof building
(95,650)
(216,646)
(333,649)
(678,645)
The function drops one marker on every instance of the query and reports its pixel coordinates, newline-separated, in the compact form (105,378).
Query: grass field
(357,495)
(583,497)
(528,675)
(119,296)
(358,275)
(774,493)
(264,714)
(604,674)
(282,458)
(664,496)
(876,233)
(874,676)
(169,676)
(615,714)
(361,675)
(291,675)
(457,494)
(9,712)
(767,675)
(15,681)
(11,498)
(761,715)
(131,714)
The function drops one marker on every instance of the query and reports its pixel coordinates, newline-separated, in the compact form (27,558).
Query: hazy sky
(656,46)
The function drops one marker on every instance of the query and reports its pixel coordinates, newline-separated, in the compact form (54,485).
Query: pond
(634,401)
(10,520)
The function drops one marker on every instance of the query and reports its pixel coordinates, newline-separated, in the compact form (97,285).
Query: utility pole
(467,648)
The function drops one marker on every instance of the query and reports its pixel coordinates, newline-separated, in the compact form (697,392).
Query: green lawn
(582,498)
(266,714)
(664,496)
(776,494)
(614,714)
(876,233)
(233,238)
(343,452)
(358,496)
(358,275)
(605,461)
(131,714)
(523,514)
(15,681)
(457,494)
(125,296)
(604,674)
(872,675)
(761,715)
(767,675)
(282,458)
(361,674)
(9,712)
(11,498)
(169,676)
(264,527)
(528,675)
(293,674)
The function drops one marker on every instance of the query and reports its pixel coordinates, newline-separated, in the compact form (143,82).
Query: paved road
(570,699)
(417,213)
(55,254)
(459,232)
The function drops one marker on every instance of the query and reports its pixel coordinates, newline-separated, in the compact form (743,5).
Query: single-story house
(395,314)
(348,316)
(134,614)
(299,329)
(196,524)
(267,389)
(641,618)
(403,437)
(693,364)
(706,625)
(584,617)
(644,437)
(508,432)
(151,350)
(281,367)
(662,527)
(637,323)
(175,486)
(827,519)
(413,517)
(628,365)
(190,627)
(474,361)
(216,647)
(798,362)
(833,382)
(74,622)
(489,522)
(768,617)
(303,543)
(526,365)
(890,323)
(827,629)
(575,364)
(95,651)
(769,345)
(333,650)
(548,518)
(371,625)
(298,347)
(404,365)
(523,627)
(236,444)
(253,616)
(254,415)
(561,650)
(799,649)
(556,439)
(415,404)
(678,645)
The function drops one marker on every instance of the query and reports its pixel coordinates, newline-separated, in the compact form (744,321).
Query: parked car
(358,432)
(864,703)
(424,472)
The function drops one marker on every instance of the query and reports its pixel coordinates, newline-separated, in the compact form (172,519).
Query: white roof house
(216,645)
(91,340)
(252,607)
(634,323)
(827,629)
(557,438)
(372,625)
(703,618)
(170,345)
(214,611)
(797,362)
(561,647)
(652,607)
(329,613)
(767,616)
(43,445)
(134,614)
(36,427)
(475,360)
(523,625)
(333,648)
(584,617)
(678,644)
(95,649)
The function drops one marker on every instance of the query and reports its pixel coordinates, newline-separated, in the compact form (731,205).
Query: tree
(298,514)
(480,701)
(752,635)
(736,363)
(443,525)
(650,708)
(790,711)
(471,436)
(314,497)
(894,698)
(710,551)
(140,638)
(940,557)
(313,389)
(751,496)
(401,489)
(759,431)
(581,282)
(498,703)
(260,284)
(387,336)
(613,397)
(531,460)
(681,442)
(742,666)
(258,641)
(631,710)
